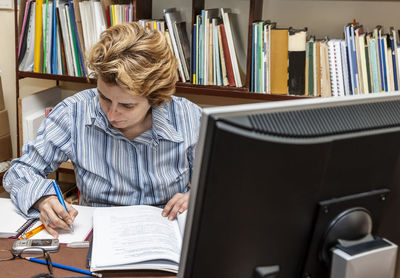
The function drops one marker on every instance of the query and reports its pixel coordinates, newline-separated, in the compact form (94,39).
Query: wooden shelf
(232,92)
(24,74)
(181,87)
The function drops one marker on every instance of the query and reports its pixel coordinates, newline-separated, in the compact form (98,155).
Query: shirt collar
(93,110)
(162,126)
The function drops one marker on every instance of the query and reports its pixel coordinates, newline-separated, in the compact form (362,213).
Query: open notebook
(16,224)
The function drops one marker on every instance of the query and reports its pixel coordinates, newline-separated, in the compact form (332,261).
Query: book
(172,16)
(317,68)
(345,68)
(76,43)
(136,237)
(23,29)
(336,67)
(227,57)
(231,46)
(66,38)
(183,44)
(17,224)
(297,60)
(61,56)
(279,61)
(222,57)
(38,36)
(28,19)
(352,62)
(326,90)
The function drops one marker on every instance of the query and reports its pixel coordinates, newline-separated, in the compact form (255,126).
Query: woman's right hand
(53,215)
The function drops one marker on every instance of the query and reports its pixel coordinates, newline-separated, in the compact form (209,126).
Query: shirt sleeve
(195,120)
(26,179)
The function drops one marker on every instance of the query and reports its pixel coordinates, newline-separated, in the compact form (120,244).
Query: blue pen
(60,198)
(66,267)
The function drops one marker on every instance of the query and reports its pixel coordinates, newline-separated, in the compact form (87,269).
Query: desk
(68,256)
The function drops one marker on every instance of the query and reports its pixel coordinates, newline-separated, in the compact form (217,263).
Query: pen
(60,198)
(66,267)
(31,233)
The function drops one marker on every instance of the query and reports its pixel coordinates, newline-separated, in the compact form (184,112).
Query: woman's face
(123,110)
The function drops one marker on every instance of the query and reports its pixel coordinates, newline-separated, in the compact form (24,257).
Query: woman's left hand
(178,204)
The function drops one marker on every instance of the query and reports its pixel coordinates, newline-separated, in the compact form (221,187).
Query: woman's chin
(118,125)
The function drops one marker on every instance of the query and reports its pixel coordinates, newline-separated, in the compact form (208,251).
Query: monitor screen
(270,178)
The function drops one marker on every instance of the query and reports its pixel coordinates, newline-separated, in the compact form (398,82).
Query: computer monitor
(271,178)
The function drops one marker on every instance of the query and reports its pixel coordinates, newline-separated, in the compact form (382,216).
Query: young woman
(131,142)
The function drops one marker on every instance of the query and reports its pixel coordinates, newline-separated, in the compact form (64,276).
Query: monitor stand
(266,272)
(368,257)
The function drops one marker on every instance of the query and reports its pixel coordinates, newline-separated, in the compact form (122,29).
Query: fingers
(57,219)
(48,225)
(72,211)
(61,216)
(50,208)
(177,204)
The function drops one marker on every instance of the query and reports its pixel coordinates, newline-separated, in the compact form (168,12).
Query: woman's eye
(103,97)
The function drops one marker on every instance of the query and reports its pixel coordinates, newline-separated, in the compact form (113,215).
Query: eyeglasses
(31,252)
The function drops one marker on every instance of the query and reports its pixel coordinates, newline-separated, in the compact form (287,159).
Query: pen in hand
(60,198)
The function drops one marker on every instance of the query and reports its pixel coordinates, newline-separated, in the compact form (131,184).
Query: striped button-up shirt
(109,168)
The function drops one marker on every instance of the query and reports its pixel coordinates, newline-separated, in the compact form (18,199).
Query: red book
(228,62)
(108,17)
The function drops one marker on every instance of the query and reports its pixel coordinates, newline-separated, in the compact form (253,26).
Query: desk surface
(68,256)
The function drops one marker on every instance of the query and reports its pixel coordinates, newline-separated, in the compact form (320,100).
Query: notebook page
(82,227)
(14,220)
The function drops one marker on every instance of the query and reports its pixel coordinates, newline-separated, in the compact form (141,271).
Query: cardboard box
(4,123)
(2,106)
(5,148)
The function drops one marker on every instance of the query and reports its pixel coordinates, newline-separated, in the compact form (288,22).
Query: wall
(7,67)
(322,17)
(327,18)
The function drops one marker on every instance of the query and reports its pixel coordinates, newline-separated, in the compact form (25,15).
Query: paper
(82,227)
(135,237)
(13,221)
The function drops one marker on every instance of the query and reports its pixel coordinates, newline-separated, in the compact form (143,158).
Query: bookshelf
(142,10)
(202,94)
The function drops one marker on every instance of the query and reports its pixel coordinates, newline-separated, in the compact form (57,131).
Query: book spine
(38,35)
(227,57)
(297,59)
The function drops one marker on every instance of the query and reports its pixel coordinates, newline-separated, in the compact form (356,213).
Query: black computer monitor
(271,178)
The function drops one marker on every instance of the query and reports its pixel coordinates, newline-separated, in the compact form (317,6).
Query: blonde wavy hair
(135,59)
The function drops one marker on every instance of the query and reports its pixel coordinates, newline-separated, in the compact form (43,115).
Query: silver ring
(48,221)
